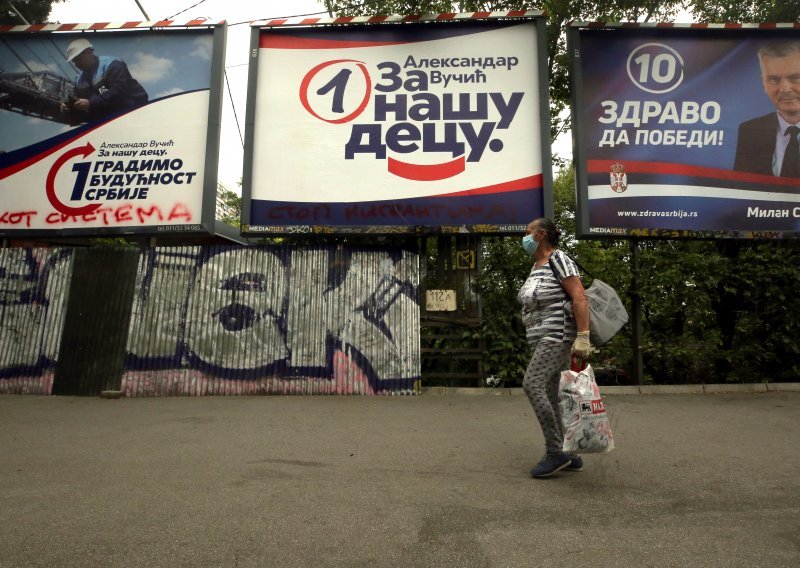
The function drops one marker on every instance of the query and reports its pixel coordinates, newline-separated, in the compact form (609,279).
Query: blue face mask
(529,244)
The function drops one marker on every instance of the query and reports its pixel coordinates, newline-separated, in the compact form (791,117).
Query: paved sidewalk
(696,480)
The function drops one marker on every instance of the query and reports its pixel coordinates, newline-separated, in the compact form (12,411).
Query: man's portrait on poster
(770,144)
(103,87)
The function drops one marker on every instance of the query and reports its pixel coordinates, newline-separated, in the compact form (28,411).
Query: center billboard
(398,126)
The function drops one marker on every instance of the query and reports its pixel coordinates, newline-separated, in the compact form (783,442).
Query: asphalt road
(696,480)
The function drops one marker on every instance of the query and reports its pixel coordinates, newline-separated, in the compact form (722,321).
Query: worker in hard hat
(103,87)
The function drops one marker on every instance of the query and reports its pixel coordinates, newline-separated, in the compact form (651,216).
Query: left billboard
(109,132)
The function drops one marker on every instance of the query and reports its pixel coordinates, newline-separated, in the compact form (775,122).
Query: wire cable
(14,9)
(141,8)
(185,10)
(235,116)
(322,12)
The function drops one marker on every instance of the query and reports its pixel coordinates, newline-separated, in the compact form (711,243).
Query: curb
(111,394)
(747,388)
(783,387)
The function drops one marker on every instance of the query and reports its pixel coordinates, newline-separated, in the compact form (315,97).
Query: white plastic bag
(586,425)
(607,313)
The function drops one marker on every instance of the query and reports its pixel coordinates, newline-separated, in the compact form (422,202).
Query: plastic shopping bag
(586,425)
(607,313)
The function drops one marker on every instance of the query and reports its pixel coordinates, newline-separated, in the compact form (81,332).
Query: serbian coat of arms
(619,180)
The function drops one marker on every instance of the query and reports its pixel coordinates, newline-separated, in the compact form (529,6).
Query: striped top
(543,299)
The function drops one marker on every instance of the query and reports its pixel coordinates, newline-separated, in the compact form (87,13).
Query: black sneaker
(576,464)
(550,464)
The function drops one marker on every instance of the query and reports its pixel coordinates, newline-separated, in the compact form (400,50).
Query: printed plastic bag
(586,425)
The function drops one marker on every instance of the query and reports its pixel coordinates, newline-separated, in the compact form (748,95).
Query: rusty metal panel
(274,320)
(34,287)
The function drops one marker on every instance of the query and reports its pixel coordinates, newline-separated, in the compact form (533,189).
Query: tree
(745,11)
(33,11)
(229,206)
(559,14)
(713,311)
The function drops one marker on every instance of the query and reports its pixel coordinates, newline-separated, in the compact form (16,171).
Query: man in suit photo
(770,144)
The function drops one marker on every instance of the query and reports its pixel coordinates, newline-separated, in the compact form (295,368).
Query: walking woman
(554,279)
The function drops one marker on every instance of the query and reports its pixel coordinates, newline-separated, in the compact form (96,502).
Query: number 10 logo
(655,68)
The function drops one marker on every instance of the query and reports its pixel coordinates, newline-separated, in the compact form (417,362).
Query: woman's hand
(582,346)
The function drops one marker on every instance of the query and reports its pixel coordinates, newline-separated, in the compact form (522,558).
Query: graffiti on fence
(347,316)
(34,284)
(222,320)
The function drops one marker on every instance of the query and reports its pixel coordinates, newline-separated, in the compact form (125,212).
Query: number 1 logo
(337,94)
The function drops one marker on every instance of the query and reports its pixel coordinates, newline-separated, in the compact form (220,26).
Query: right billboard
(686,131)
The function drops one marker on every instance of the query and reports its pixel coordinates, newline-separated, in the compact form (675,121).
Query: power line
(146,17)
(14,9)
(345,7)
(235,116)
(184,10)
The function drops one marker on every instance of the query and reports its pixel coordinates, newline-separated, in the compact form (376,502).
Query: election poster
(686,131)
(400,126)
(109,131)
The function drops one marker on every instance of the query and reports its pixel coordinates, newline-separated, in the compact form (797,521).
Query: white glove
(582,346)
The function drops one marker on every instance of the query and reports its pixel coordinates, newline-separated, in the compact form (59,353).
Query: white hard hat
(77,47)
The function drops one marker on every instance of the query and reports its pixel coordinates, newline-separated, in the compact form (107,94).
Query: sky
(237,14)
(164,64)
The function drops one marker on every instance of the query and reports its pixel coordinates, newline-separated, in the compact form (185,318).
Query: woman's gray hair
(548,227)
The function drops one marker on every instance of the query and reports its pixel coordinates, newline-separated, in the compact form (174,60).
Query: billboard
(678,133)
(109,132)
(403,126)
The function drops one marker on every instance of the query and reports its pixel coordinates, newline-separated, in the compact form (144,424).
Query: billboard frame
(539,18)
(206,225)
(580,128)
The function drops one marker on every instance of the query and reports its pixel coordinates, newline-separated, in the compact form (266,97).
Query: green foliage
(505,267)
(712,311)
(559,14)
(34,11)
(230,211)
(112,242)
(721,311)
(746,11)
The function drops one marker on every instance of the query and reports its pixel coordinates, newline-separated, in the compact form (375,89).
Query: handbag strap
(578,264)
(577,364)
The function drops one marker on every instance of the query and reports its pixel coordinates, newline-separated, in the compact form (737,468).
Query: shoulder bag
(607,313)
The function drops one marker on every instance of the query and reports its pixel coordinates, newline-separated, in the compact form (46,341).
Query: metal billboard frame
(206,223)
(539,19)
(724,188)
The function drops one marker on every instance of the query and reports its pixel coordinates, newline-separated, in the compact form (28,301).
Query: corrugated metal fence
(210,321)
(34,285)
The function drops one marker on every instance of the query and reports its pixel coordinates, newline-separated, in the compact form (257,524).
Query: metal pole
(146,17)
(636,305)
(14,9)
